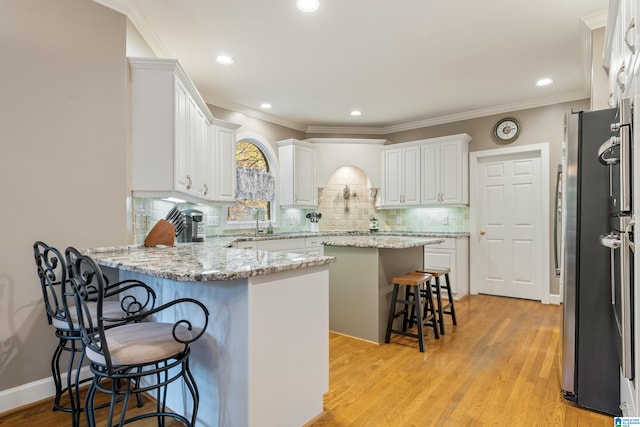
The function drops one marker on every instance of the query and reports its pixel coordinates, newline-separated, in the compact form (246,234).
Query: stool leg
(392,309)
(439,300)
(407,319)
(418,316)
(432,308)
(453,310)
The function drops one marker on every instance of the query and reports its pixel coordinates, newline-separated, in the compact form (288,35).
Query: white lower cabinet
(452,253)
(303,245)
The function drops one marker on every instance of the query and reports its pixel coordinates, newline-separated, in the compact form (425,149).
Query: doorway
(509,243)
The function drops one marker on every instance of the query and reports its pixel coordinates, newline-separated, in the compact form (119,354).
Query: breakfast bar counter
(360,283)
(264,360)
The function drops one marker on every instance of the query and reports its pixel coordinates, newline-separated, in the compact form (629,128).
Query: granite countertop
(215,260)
(207,261)
(327,235)
(380,242)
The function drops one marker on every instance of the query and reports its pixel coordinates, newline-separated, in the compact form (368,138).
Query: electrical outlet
(212,219)
(399,220)
(445,220)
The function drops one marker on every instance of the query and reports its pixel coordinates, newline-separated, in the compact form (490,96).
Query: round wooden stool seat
(411,304)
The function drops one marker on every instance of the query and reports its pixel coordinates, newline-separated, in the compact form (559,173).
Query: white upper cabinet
(175,138)
(222,167)
(401,176)
(622,40)
(426,172)
(445,171)
(297,174)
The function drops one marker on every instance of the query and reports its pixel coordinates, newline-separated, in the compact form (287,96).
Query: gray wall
(63,121)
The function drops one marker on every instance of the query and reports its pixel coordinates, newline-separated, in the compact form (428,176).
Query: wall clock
(506,130)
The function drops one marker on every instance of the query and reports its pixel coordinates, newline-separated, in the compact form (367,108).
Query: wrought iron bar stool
(448,308)
(58,302)
(138,356)
(411,311)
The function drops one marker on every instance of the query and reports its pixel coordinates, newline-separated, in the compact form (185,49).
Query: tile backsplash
(347,203)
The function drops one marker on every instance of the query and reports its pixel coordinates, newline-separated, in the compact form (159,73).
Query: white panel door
(510,218)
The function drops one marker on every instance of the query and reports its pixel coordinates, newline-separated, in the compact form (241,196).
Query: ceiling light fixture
(544,82)
(308,5)
(224,59)
(265,105)
(356,113)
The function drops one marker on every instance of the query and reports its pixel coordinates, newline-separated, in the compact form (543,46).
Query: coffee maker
(192,217)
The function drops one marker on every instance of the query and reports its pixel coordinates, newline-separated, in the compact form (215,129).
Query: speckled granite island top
(206,261)
(380,242)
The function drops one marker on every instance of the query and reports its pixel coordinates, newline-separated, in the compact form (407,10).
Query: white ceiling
(403,63)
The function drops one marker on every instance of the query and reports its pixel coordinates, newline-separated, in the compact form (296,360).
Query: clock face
(506,130)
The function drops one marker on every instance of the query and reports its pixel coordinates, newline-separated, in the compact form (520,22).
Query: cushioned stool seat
(413,282)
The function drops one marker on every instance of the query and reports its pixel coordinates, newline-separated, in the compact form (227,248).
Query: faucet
(258,211)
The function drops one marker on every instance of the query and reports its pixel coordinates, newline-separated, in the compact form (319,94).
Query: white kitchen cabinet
(621,46)
(426,172)
(452,253)
(178,148)
(222,162)
(297,174)
(302,245)
(445,171)
(401,176)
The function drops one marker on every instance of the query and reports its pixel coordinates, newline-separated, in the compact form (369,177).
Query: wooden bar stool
(437,287)
(412,283)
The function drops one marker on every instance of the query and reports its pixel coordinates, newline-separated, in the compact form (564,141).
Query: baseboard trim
(34,391)
(555,299)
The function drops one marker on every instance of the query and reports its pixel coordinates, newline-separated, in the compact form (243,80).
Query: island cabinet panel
(360,286)
(264,359)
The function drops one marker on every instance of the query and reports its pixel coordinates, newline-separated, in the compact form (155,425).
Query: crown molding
(474,114)
(130,9)
(250,112)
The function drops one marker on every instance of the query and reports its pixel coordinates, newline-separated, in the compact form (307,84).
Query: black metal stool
(437,287)
(412,283)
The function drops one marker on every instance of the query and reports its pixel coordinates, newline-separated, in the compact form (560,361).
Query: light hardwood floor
(498,367)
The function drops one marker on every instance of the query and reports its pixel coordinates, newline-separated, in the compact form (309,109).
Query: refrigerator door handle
(555,221)
(607,149)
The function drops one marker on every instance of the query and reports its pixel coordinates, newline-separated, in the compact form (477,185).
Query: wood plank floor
(498,367)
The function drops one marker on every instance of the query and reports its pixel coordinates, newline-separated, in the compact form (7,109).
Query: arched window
(251,153)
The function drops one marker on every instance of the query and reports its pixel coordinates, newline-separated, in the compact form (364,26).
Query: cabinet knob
(482,232)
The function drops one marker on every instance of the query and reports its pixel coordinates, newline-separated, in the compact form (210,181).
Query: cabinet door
(442,258)
(392,162)
(451,174)
(199,152)
(181,137)
(304,173)
(223,164)
(430,174)
(411,176)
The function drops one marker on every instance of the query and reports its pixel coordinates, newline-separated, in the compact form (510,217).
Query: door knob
(482,232)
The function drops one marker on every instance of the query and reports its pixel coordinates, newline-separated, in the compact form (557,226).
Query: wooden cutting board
(163,233)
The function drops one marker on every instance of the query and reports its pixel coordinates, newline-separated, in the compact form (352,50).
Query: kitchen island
(360,283)
(264,360)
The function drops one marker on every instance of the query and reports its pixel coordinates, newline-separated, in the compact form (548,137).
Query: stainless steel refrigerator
(590,369)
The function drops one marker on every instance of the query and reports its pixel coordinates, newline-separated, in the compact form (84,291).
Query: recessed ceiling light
(356,113)
(544,82)
(265,105)
(224,59)
(308,5)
